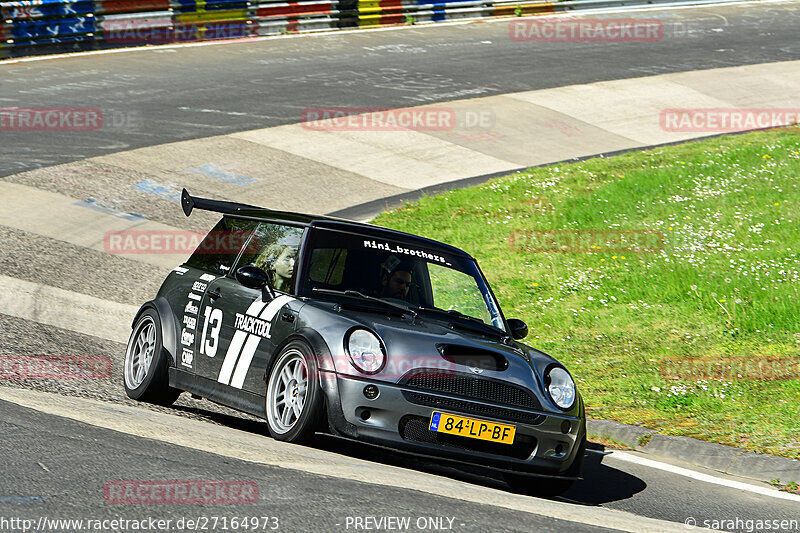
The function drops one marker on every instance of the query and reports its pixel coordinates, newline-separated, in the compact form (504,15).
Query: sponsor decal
(245,341)
(253,325)
(189,320)
(400,250)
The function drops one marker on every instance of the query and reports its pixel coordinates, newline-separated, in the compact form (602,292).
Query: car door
(239,328)
(212,260)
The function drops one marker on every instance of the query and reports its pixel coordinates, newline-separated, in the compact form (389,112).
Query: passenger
(278,261)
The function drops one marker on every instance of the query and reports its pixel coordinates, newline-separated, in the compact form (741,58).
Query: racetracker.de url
(195,523)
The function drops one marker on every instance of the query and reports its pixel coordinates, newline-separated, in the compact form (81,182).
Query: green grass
(723,286)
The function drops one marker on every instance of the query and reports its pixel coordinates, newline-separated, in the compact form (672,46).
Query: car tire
(543,487)
(294,375)
(145,370)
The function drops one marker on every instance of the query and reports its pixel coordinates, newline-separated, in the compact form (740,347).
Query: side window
(218,250)
(274,249)
(457,291)
(327,266)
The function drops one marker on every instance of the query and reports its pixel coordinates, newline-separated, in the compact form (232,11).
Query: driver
(395,278)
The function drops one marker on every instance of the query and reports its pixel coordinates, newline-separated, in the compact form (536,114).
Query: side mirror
(519,329)
(252,277)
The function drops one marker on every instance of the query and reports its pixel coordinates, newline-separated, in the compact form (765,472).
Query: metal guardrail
(30,27)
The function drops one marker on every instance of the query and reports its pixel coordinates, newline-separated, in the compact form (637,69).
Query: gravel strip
(20,337)
(74,268)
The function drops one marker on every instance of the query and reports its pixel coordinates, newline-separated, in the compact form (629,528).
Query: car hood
(412,344)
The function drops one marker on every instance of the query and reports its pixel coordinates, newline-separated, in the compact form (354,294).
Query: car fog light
(371,392)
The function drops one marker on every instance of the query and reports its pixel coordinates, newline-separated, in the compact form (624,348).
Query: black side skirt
(238,399)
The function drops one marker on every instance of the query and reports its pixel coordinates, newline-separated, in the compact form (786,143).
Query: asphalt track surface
(56,467)
(67,481)
(171,94)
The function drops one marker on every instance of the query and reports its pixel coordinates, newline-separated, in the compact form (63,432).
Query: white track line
(764,491)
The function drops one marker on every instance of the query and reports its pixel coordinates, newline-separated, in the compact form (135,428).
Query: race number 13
(213,320)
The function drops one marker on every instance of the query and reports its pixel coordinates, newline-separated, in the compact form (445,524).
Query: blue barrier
(50,28)
(50,8)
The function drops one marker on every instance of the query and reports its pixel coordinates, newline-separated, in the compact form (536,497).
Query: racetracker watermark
(51,119)
(55,367)
(145,31)
(143,523)
(586,241)
(68,119)
(130,242)
(402,119)
(731,368)
(587,30)
(180,492)
(713,120)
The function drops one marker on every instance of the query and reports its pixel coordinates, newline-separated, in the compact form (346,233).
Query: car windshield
(406,273)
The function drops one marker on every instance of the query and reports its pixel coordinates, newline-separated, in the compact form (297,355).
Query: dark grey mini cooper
(324,325)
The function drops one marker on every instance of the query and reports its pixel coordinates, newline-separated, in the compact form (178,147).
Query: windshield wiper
(469,321)
(362,296)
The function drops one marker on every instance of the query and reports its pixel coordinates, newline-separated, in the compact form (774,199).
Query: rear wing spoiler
(189,202)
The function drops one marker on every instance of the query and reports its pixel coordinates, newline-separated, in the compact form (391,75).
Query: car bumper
(545,444)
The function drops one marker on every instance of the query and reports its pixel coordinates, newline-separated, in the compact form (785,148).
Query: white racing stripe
(235,347)
(254,340)
(685,472)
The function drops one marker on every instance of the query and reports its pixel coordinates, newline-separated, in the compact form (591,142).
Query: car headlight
(365,351)
(560,387)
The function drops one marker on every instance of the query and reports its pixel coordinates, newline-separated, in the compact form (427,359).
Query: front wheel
(294,396)
(145,367)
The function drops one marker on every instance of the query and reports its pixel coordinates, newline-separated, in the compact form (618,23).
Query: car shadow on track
(600,484)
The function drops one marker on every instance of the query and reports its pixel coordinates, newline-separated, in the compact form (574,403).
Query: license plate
(472,428)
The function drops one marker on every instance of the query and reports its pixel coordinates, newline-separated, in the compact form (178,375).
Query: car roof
(362,228)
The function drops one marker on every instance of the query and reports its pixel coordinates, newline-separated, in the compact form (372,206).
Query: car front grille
(415,428)
(461,406)
(470,387)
